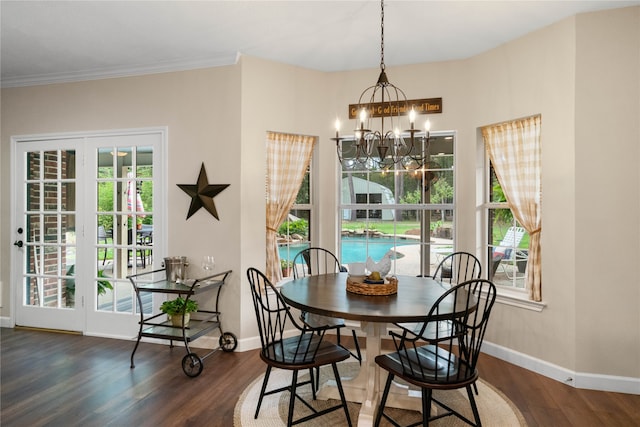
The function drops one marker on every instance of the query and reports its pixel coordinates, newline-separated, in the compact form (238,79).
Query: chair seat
(429,333)
(318,321)
(436,368)
(287,354)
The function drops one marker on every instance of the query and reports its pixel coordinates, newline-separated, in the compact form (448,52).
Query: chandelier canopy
(385,146)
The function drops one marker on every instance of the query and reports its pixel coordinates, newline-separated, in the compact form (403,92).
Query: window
(508,242)
(294,234)
(410,212)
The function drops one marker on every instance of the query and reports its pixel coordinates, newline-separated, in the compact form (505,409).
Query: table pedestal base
(365,388)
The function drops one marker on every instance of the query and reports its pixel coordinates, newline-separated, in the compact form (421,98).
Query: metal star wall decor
(202,194)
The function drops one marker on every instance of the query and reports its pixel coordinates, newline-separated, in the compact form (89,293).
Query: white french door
(81,226)
(47,221)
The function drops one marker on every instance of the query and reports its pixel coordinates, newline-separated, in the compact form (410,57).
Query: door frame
(120,325)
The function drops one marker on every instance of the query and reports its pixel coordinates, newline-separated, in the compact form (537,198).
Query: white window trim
(519,299)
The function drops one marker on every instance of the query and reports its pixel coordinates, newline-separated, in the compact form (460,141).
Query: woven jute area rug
(496,410)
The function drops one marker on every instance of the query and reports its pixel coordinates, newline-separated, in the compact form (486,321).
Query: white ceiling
(57,41)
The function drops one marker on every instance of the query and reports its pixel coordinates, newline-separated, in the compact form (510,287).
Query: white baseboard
(575,379)
(5,322)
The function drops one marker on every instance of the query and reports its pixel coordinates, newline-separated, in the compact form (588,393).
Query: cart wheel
(192,365)
(228,342)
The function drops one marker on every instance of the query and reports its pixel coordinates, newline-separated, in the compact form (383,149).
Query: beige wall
(535,75)
(607,223)
(588,109)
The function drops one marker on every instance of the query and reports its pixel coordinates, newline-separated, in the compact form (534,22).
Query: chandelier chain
(382,66)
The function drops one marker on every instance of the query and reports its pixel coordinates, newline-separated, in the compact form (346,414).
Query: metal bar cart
(201,323)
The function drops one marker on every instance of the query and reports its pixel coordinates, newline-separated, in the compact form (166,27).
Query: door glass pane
(50,292)
(50,168)
(50,196)
(105,163)
(68,196)
(33,165)
(68,164)
(68,233)
(50,228)
(105,196)
(144,162)
(33,196)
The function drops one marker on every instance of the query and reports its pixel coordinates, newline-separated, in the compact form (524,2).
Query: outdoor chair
(305,350)
(102,238)
(505,250)
(448,359)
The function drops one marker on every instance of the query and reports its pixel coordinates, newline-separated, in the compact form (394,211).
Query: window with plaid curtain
(514,150)
(288,158)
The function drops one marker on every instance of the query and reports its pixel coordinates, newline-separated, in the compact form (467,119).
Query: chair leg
(474,407)
(383,401)
(336,375)
(264,387)
(314,384)
(357,344)
(357,354)
(426,406)
(292,398)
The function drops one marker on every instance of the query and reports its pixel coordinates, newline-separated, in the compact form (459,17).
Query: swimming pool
(354,249)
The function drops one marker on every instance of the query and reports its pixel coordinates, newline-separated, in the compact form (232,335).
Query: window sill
(518,299)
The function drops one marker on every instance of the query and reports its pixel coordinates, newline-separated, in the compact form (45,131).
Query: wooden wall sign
(379,109)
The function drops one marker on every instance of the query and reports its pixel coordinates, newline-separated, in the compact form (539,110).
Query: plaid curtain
(288,158)
(514,150)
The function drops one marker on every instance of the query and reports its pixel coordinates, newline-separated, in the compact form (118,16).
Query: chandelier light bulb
(363,116)
(412,116)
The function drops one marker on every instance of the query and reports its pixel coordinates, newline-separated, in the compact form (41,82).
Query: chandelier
(383,147)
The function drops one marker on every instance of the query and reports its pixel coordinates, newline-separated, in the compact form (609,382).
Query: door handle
(18,243)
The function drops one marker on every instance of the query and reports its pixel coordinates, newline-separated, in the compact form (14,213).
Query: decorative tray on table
(363,286)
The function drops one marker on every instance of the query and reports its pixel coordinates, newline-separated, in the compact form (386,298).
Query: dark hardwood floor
(55,379)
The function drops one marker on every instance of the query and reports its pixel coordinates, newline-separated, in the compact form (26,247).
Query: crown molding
(110,73)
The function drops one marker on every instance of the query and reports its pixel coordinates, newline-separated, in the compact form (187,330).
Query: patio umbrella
(134,201)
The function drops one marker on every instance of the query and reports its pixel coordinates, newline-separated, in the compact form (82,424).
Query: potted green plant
(286,266)
(177,307)
(69,292)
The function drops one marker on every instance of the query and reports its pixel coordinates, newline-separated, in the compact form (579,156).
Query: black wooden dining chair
(458,267)
(448,359)
(455,268)
(306,350)
(314,261)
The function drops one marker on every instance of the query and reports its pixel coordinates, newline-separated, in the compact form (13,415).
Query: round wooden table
(327,295)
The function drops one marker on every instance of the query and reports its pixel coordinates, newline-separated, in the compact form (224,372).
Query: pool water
(353,249)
